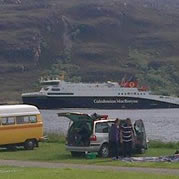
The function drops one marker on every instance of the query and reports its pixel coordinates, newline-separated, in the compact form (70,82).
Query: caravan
(20,125)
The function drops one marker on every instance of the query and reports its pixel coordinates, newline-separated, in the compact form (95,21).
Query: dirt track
(87,167)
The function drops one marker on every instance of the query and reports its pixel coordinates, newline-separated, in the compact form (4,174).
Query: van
(90,133)
(20,125)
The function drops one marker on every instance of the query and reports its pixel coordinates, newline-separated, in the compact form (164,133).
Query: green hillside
(95,41)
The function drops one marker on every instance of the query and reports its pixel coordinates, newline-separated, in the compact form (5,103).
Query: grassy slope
(108,38)
(55,152)
(36,173)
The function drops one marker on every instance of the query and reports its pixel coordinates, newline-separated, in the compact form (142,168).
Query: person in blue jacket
(114,139)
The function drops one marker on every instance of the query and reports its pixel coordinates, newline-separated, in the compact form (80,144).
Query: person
(127,138)
(114,139)
(84,134)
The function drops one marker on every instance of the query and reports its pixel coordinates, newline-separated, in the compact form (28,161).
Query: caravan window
(19,120)
(26,119)
(11,120)
(8,120)
(33,119)
(22,119)
(4,121)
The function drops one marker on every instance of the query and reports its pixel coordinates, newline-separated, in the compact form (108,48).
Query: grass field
(54,151)
(38,173)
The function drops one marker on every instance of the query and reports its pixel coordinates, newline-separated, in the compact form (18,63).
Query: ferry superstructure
(56,94)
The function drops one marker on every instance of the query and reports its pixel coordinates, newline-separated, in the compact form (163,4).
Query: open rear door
(80,130)
(140,133)
(75,116)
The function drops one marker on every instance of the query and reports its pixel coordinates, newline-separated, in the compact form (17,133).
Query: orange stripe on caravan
(6,127)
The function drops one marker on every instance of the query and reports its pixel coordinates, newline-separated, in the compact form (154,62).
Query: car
(90,133)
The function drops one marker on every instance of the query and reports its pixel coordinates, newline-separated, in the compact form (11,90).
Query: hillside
(97,40)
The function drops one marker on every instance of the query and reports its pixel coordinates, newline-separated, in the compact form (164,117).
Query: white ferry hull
(51,102)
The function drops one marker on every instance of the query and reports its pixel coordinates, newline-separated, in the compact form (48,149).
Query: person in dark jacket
(127,138)
(114,139)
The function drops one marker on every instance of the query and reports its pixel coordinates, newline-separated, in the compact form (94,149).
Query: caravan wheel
(29,144)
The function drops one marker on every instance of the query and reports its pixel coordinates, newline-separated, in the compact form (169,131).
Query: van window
(22,119)
(8,120)
(110,123)
(102,127)
(33,119)
(19,120)
(4,121)
(11,120)
(26,119)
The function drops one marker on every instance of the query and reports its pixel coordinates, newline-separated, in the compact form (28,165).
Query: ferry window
(134,93)
(121,93)
(55,89)
(8,121)
(102,127)
(137,93)
(46,89)
(128,93)
(50,83)
(33,119)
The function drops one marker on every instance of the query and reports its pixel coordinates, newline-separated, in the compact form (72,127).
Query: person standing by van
(127,137)
(114,139)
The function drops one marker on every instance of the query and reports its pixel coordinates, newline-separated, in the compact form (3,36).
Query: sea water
(160,124)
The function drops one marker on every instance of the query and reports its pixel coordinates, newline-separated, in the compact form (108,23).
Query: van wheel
(141,151)
(37,144)
(29,144)
(77,154)
(11,147)
(104,151)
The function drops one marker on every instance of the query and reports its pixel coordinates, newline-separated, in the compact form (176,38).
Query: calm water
(160,124)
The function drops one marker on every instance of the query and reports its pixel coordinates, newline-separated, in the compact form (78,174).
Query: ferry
(56,94)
